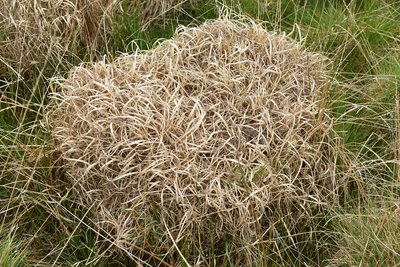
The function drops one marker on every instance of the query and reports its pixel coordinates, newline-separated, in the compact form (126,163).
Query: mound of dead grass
(213,136)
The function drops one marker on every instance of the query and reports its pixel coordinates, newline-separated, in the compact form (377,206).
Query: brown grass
(37,31)
(213,136)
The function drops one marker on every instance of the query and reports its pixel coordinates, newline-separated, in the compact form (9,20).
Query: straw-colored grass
(369,238)
(34,32)
(214,135)
(47,216)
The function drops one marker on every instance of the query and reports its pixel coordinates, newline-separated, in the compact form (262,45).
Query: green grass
(369,237)
(11,253)
(362,40)
(127,34)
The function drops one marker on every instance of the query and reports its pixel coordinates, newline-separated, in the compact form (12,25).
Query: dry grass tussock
(34,32)
(214,135)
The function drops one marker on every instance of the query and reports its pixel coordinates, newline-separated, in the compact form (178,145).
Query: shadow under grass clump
(211,138)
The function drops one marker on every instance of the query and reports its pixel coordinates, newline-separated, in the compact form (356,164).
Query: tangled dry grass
(33,32)
(215,135)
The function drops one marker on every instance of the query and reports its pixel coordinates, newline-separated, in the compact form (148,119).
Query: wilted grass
(360,37)
(221,124)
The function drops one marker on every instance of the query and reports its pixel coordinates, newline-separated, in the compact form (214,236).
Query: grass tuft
(46,220)
(221,124)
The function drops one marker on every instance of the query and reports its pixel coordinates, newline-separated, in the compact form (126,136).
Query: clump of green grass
(12,254)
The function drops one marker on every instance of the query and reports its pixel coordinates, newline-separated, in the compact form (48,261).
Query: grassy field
(41,220)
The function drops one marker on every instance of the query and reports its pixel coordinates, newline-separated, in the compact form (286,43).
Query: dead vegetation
(215,135)
(34,32)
